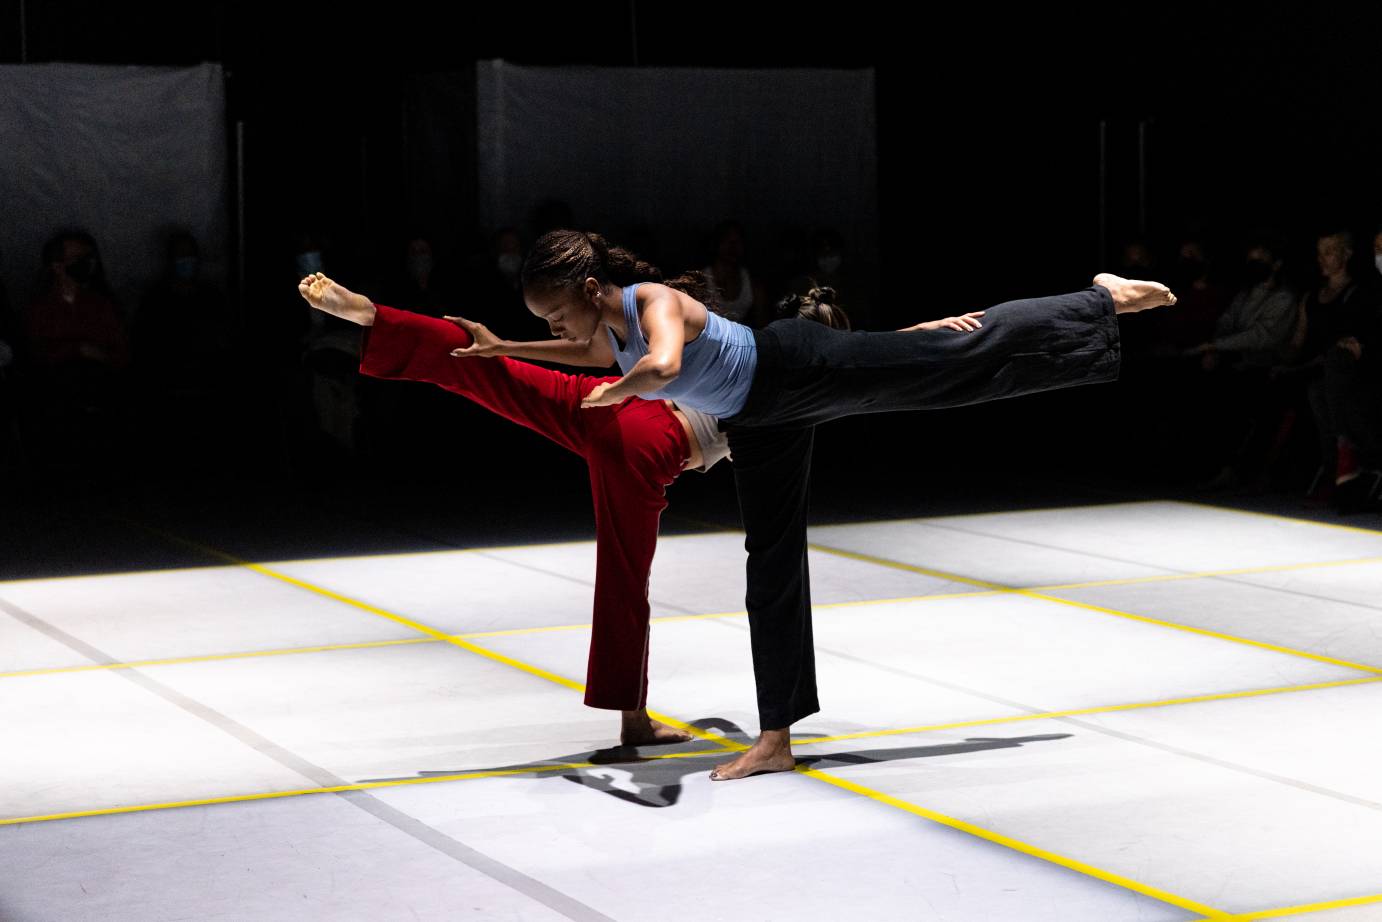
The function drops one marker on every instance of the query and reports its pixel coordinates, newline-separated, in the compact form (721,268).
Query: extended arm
(964,323)
(665,327)
(594,353)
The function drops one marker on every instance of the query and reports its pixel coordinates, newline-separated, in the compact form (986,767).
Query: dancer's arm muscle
(665,328)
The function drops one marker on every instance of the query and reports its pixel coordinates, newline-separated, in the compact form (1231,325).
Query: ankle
(775,739)
(364,311)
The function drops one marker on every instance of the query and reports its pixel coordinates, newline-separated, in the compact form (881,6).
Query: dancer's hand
(965,323)
(485,343)
(1352,346)
(600,397)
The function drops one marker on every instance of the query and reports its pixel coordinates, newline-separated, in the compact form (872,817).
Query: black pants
(809,373)
(1346,403)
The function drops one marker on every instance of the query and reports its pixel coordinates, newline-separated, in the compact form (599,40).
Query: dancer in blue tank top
(770,388)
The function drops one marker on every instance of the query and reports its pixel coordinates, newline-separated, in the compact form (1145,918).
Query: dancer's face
(570,314)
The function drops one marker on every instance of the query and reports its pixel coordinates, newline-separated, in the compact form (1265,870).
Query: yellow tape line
(877,796)
(1372,532)
(1082,712)
(1302,910)
(214,657)
(1275,648)
(336,789)
(1031,593)
(727,746)
(454,640)
(1016,844)
(1203,574)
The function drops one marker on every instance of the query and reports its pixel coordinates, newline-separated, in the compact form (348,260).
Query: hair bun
(822,294)
(790,305)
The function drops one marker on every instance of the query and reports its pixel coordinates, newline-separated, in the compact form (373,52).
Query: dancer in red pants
(634,450)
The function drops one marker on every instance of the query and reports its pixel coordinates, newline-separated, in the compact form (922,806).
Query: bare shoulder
(658,293)
(654,291)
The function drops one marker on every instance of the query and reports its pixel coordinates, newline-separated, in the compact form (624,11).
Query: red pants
(634,450)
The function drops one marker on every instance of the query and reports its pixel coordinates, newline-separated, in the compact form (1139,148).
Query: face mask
(510,263)
(185,268)
(83,270)
(309,262)
(829,263)
(419,265)
(1377,261)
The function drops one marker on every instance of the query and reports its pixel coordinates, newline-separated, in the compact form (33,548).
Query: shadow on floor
(627,773)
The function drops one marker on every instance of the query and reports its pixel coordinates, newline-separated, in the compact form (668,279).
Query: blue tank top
(716,367)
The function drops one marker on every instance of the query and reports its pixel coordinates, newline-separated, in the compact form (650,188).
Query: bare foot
(772,752)
(1131,295)
(335,299)
(641,730)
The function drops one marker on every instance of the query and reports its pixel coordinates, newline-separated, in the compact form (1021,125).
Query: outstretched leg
(809,373)
(404,346)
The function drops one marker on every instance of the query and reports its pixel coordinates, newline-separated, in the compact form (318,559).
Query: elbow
(666,371)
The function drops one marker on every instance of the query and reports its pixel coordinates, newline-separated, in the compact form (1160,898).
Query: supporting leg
(634,451)
(772,470)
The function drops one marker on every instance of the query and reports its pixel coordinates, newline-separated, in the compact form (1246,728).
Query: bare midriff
(696,458)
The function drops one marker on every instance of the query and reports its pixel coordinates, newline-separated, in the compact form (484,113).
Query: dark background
(989,188)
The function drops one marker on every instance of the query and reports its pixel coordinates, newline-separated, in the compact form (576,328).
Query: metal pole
(364,209)
(240,220)
(411,211)
(1142,178)
(1103,192)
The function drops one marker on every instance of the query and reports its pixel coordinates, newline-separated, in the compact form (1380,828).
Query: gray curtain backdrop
(124,152)
(672,151)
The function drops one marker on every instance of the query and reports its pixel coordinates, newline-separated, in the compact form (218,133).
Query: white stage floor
(1141,711)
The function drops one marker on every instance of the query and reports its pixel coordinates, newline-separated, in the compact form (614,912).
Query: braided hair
(566,258)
